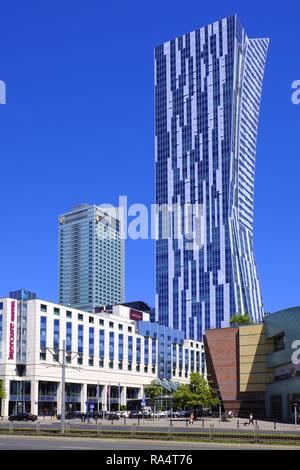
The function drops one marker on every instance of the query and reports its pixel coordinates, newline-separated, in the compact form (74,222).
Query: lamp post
(295,412)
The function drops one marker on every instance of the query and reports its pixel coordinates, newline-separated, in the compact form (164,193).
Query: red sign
(12,332)
(135,315)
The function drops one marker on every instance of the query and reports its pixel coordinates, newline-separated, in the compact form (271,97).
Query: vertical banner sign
(12,332)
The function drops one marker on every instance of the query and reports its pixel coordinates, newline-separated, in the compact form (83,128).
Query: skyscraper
(91,257)
(207,88)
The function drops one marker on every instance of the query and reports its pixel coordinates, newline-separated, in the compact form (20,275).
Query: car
(73,415)
(112,415)
(23,417)
(140,414)
(124,414)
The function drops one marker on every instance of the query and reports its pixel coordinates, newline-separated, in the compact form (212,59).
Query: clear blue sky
(78,127)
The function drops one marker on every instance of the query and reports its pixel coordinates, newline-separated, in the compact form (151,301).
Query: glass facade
(165,342)
(207,95)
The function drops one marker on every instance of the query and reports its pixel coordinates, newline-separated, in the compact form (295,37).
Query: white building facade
(108,361)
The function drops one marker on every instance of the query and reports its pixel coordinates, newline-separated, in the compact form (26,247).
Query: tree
(153,391)
(196,394)
(2,392)
(240,319)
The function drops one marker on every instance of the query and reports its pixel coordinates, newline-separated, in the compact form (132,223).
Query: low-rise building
(110,355)
(255,368)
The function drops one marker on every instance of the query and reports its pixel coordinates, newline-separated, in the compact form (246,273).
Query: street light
(295,411)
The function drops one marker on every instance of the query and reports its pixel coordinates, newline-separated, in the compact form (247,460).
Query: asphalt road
(59,443)
(145,425)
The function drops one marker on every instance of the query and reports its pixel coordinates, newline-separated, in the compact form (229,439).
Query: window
(120,327)
(278,342)
(101,362)
(79,360)
(101,343)
(91,341)
(56,335)
(56,311)
(111,345)
(80,339)
(91,361)
(69,337)
(42,356)
(111,324)
(43,332)
(130,329)
(111,365)
(80,317)
(68,314)
(43,308)
(129,367)
(91,319)
(101,322)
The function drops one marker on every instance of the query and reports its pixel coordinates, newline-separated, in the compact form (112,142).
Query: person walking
(192,418)
(251,419)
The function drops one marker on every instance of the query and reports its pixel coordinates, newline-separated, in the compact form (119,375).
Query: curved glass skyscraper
(207,88)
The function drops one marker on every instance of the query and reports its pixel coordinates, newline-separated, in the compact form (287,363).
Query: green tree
(196,394)
(153,392)
(2,392)
(240,319)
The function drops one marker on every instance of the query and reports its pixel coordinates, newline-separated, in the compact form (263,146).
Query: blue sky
(78,127)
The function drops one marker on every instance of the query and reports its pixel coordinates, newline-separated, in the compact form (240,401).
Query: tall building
(91,257)
(207,88)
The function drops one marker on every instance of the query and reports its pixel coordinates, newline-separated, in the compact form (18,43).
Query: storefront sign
(12,332)
(135,315)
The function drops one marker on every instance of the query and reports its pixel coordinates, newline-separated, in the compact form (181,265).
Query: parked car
(112,415)
(124,414)
(140,414)
(23,417)
(73,415)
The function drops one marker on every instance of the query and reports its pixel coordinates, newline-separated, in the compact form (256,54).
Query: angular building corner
(207,89)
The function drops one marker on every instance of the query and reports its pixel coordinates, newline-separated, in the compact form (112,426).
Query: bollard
(171,422)
(238,424)
(211,431)
(203,423)
(186,422)
(124,420)
(11,427)
(112,419)
(274,425)
(98,430)
(38,428)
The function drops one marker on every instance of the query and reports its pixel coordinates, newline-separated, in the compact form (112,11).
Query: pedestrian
(192,418)
(251,419)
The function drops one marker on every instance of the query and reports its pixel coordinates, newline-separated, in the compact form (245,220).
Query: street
(63,444)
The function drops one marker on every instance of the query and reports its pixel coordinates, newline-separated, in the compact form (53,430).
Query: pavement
(65,444)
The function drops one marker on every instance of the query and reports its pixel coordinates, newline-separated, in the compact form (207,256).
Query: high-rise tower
(208,87)
(91,257)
